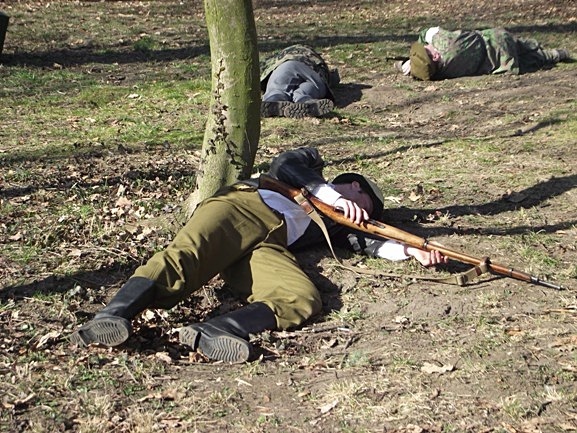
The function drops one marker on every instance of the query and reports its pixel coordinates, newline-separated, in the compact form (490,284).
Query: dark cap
(422,66)
(369,187)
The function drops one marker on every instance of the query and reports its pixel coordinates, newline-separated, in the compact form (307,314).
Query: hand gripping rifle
(309,202)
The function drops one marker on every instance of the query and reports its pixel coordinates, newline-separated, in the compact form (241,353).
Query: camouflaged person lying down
(440,54)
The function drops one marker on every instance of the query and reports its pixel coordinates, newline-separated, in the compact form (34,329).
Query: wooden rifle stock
(383,230)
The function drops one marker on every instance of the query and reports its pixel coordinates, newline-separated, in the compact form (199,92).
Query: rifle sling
(314,215)
(459,279)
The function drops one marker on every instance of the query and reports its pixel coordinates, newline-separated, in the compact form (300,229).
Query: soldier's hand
(351,210)
(426,258)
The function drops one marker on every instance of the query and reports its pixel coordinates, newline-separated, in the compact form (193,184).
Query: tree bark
(233,125)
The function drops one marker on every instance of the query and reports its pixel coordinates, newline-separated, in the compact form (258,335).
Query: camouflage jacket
(301,53)
(477,52)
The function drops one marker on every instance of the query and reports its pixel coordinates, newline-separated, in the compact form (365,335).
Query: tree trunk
(233,126)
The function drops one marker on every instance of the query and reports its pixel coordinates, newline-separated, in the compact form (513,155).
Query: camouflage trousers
(235,234)
(532,56)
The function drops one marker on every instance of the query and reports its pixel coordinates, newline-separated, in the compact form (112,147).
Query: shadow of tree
(66,183)
(92,280)
(531,197)
(68,57)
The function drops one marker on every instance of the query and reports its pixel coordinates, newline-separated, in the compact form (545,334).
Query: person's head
(424,61)
(361,190)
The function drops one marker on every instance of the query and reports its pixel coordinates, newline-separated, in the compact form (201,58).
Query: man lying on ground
(440,54)
(247,234)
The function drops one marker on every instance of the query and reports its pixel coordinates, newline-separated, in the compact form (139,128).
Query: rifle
(382,230)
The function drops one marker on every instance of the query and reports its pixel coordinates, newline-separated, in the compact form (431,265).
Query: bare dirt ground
(484,165)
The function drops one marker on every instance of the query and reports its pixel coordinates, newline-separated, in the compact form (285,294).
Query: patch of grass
(96,408)
(252,369)
(132,389)
(515,407)
(346,315)
(357,359)
(24,254)
(269,420)
(484,347)
(572,272)
(487,300)
(100,96)
(221,402)
(24,88)
(19,175)
(347,396)
(145,44)
(86,379)
(401,363)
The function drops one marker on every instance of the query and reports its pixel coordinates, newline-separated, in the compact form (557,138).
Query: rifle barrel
(379,228)
(496,268)
(389,232)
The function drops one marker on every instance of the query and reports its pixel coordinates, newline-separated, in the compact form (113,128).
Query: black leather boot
(111,326)
(225,338)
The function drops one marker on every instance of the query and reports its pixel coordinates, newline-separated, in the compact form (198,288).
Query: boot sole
(317,108)
(273,108)
(227,348)
(108,331)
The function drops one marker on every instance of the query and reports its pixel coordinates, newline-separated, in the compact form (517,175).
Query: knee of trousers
(276,95)
(292,311)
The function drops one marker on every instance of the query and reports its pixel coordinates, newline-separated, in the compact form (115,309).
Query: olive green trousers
(236,235)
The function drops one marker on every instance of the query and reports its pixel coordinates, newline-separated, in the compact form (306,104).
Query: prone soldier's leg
(219,233)
(279,293)
(532,56)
